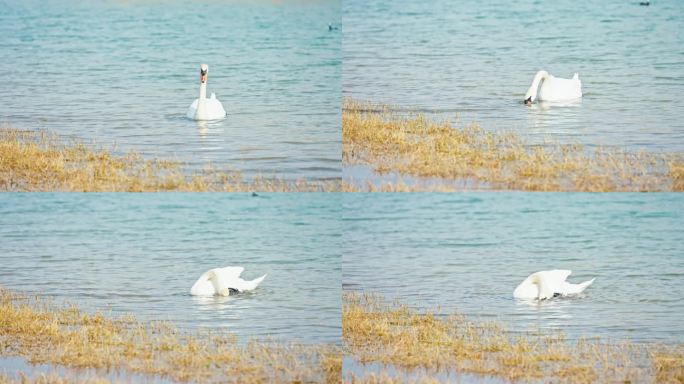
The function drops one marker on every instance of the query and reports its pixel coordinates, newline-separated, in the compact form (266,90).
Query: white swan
(223,282)
(547,284)
(553,88)
(203,108)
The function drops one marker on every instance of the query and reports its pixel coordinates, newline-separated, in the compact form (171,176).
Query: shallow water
(140,254)
(353,369)
(13,367)
(125,73)
(466,253)
(476,59)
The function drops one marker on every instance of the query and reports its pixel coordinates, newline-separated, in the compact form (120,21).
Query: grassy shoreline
(42,161)
(375,331)
(45,333)
(417,146)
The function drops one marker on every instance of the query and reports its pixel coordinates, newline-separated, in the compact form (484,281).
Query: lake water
(466,253)
(475,60)
(140,254)
(125,73)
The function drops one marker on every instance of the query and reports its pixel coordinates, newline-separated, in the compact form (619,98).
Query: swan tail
(576,77)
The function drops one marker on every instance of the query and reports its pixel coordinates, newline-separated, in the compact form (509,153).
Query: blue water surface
(123,74)
(466,253)
(474,60)
(141,253)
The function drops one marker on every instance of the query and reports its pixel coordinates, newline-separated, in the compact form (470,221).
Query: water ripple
(106,71)
(477,60)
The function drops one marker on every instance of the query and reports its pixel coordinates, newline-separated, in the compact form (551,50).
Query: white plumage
(553,88)
(223,282)
(547,284)
(203,108)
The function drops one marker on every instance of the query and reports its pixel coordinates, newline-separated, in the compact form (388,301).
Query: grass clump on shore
(471,158)
(42,332)
(40,161)
(395,336)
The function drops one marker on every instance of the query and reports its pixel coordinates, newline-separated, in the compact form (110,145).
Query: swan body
(553,88)
(203,108)
(548,284)
(223,282)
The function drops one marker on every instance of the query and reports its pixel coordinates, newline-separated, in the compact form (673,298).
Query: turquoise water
(140,254)
(125,73)
(474,60)
(466,253)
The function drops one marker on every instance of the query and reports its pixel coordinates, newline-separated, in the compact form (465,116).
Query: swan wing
(220,281)
(547,284)
(225,278)
(215,109)
(216,280)
(551,282)
(192,110)
(248,285)
(229,273)
(203,286)
(574,289)
(559,89)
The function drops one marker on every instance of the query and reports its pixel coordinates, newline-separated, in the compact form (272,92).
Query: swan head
(204,69)
(530,96)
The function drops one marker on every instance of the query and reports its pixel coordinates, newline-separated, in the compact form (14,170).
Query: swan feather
(544,285)
(221,281)
(551,88)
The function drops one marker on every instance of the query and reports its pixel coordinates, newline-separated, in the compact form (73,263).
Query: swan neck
(201,107)
(538,78)
(203,90)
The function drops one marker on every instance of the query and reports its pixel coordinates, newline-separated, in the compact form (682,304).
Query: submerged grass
(375,331)
(471,158)
(43,332)
(41,161)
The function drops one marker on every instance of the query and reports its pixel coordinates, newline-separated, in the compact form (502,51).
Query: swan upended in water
(223,282)
(203,108)
(547,284)
(553,88)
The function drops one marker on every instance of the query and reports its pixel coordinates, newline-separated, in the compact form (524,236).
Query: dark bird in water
(332,28)
(645,3)
(254,194)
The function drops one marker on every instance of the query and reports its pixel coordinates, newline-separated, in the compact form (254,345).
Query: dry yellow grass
(40,161)
(42,332)
(391,334)
(472,158)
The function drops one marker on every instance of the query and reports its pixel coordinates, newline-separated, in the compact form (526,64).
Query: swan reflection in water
(547,105)
(552,314)
(555,115)
(211,139)
(233,307)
